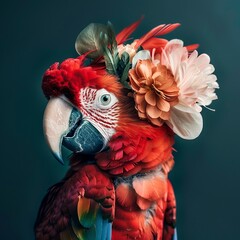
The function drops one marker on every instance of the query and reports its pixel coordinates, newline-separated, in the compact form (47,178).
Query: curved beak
(56,124)
(64,124)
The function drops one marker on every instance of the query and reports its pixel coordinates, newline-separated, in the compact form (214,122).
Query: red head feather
(71,75)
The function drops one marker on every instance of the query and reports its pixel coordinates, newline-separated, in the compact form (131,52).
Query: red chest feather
(141,203)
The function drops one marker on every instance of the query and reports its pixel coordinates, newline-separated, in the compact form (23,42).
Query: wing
(88,224)
(80,207)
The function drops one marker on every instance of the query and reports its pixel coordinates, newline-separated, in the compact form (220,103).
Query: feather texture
(87,211)
(192,47)
(133,150)
(126,32)
(145,207)
(170,215)
(83,198)
(157,31)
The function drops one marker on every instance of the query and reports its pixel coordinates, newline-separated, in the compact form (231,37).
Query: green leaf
(125,58)
(108,47)
(123,68)
(88,40)
(99,41)
(124,76)
(107,54)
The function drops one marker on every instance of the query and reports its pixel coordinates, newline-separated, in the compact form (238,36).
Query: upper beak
(56,124)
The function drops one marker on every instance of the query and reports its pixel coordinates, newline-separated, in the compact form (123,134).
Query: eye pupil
(105,99)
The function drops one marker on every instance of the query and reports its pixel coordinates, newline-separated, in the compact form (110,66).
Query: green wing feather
(83,225)
(87,212)
(83,233)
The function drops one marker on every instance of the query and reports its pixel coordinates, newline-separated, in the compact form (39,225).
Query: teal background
(35,34)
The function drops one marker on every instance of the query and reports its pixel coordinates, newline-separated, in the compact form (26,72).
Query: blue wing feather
(103,227)
(175,234)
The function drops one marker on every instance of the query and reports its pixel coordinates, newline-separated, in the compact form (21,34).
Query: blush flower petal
(139,98)
(163,105)
(150,98)
(157,121)
(186,124)
(155,90)
(152,111)
(193,74)
(144,69)
(196,86)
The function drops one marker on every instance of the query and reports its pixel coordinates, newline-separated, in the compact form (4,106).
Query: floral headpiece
(170,81)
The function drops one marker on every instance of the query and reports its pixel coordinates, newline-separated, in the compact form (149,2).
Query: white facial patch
(101,109)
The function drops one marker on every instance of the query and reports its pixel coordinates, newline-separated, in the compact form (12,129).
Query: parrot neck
(136,149)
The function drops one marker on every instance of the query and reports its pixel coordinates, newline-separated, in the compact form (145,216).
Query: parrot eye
(105,99)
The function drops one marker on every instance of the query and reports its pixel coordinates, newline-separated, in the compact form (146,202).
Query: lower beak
(56,124)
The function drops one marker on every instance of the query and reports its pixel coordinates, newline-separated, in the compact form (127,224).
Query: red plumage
(71,75)
(58,208)
(157,31)
(126,32)
(136,147)
(145,213)
(135,164)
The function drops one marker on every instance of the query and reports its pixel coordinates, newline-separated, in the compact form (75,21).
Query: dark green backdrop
(35,34)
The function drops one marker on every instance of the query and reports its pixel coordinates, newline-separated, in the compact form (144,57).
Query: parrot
(117,185)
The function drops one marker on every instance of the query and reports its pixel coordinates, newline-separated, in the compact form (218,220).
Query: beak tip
(58,156)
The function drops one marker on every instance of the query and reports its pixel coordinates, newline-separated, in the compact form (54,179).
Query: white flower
(196,84)
(141,55)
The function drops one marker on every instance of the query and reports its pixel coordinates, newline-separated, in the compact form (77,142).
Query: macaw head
(91,113)
(83,108)
(123,102)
